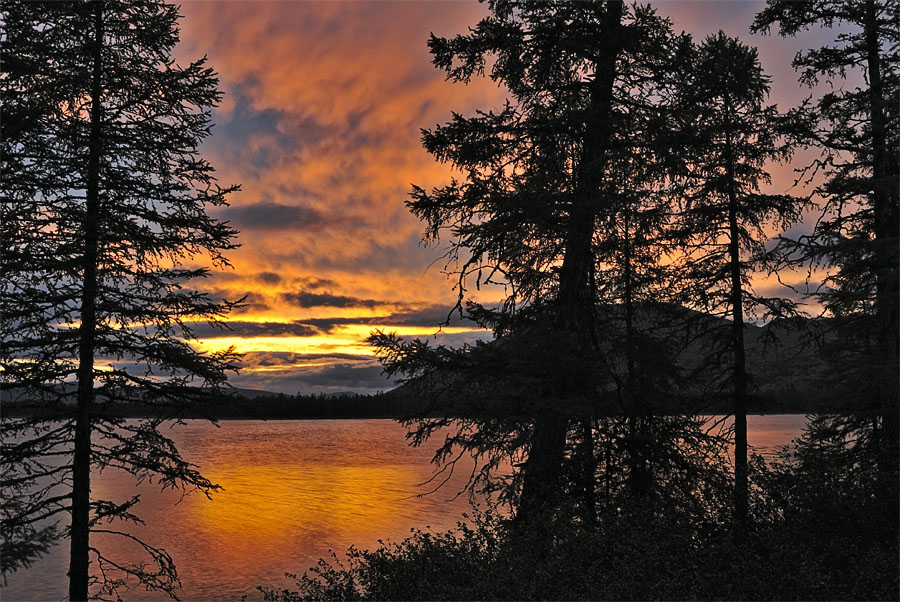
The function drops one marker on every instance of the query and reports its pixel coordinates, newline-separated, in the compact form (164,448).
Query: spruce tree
(104,213)
(731,136)
(542,180)
(853,119)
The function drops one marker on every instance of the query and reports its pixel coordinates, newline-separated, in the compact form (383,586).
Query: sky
(320,125)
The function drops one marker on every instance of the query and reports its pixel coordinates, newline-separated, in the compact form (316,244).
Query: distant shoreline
(393,405)
(5,413)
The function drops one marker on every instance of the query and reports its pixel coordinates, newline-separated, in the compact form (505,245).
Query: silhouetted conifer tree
(104,199)
(547,185)
(731,135)
(853,118)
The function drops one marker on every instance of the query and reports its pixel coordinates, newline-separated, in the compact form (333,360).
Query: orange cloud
(320,124)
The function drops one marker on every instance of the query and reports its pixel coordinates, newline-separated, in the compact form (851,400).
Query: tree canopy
(854,123)
(104,225)
(561,201)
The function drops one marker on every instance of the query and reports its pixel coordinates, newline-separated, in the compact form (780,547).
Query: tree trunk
(81,463)
(542,476)
(886,206)
(588,472)
(739,366)
(542,479)
(636,411)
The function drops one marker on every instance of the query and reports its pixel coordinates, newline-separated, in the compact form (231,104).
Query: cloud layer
(320,124)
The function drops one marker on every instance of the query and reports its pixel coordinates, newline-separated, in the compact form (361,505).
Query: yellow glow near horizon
(300,345)
(348,339)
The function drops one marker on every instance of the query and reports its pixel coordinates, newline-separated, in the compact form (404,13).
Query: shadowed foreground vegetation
(819,532)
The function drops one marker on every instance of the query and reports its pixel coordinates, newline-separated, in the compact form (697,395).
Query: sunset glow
(346,339)
(449,300)
(320,124)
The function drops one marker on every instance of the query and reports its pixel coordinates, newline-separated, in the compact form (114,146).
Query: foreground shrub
(813,539)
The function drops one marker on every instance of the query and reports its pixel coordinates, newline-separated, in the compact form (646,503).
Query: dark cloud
(250,301)
(245,121)
(273,216)
(287,359)
(253,138)
(350,375)
(223,276)
(308,299)
(313,283)
(314,373)
(255,329)
(268,277)
(329,324)
(433,315)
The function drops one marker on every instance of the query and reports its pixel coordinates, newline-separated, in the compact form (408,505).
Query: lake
(292,491)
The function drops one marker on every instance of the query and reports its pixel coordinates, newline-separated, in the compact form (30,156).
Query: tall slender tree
(104,199)
(855,123)
(541,184)
(725,215)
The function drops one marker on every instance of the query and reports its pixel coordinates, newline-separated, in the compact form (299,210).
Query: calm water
(293,490)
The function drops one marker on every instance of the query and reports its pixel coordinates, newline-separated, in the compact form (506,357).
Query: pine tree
(855,123)
(542,181)
(731,136)
(104,200)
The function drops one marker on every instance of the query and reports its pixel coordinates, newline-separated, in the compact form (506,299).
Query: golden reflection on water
(292,490)
(265,502)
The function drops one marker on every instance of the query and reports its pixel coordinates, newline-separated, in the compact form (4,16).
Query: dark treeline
(341,405)
(398,404)
(259,407)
